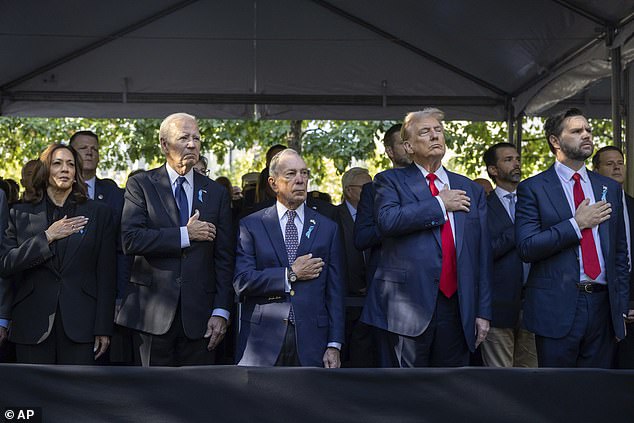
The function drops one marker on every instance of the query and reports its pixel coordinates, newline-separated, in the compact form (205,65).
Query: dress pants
(173,348)
(57,348)
(288,354)
(590,342)
(442,344)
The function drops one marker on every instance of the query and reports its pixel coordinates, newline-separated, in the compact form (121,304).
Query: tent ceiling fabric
(300,59)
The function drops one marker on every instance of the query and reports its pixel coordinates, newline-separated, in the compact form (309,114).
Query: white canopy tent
(326,59)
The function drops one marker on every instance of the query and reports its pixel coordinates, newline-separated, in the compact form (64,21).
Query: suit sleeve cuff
(442,206)
(287,284)
(184,237)
(575,226)
(221,312)
(4,323)
(336,345)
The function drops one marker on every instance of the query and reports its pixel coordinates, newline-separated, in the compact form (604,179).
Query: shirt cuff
(336,345)
(4,323)
(442,206)
(184,237)
(221,312)
(574,224)
(287,284)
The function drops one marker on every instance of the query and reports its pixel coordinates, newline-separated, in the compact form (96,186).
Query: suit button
(184,255)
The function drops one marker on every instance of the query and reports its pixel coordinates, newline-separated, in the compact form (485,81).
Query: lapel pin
(200,194)
(309,231)
(100,197)
(604,193)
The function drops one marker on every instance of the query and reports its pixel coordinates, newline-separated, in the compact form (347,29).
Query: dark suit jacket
(318,304)
(366,231)
(507,271)
(354,263)
(6,291)
(107,192)
(630,209)
(546,239)
(402,296)
(84,287)
(199,275)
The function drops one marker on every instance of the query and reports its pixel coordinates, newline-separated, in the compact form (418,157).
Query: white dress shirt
(565,177)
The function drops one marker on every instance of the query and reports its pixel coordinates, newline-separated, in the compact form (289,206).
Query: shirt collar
(565,173)
(281,211)
(91,181)
(351,208)
(502,193)
(189,176)
(440,173)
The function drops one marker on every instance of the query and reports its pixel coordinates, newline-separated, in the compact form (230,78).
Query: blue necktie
(181,201)
(291,239)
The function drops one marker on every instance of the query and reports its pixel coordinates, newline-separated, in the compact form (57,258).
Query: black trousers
(57,348)
(288,354)
(173,348)
(441,345)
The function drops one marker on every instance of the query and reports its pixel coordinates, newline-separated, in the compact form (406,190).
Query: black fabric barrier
(281,395)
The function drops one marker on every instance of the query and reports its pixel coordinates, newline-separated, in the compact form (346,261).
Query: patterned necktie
(291,239)
(448,273)
(511,198)
(181,201)
(591,265)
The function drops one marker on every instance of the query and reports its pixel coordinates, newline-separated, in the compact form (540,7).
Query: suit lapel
(417,184)
(309,231)
(459,217)
(555,193)
(74,240)
(604,232)
(100,194)
(271,223)
(496,206)
(38,224)
(200,199)
(161,181)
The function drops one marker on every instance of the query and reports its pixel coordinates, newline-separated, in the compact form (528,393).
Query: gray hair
(350,175)
(421,114)
(167,122)
(276,160)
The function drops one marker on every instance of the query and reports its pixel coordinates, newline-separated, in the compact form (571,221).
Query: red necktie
(448,272)
(589,255)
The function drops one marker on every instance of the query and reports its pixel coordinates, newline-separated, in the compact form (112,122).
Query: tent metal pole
(510,119)
(518,133)
(629,125)
(615,62)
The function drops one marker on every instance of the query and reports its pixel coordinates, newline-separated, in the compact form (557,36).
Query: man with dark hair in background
(508,344)
(609,161)
(106,191)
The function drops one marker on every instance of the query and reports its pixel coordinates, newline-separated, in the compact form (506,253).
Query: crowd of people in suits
(418,267)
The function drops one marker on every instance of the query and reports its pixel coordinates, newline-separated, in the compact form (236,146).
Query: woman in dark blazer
(59,248)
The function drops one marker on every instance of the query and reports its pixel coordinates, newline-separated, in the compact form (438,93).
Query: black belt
(590,288)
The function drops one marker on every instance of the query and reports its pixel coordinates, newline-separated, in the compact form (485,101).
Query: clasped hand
(455,200)
(64,227)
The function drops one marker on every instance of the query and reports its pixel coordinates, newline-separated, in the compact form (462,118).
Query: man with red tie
(431,289)
(569,226)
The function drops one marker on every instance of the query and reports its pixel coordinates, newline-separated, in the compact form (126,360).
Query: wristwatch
(292,277)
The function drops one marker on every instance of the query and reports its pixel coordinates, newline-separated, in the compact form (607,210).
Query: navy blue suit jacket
(402,296)
(318,304)
(547,240)
(507,271)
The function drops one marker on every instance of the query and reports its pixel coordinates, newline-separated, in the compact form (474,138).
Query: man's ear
(272,184)
(408,147)
(493,170)
(554,141)
(163,144)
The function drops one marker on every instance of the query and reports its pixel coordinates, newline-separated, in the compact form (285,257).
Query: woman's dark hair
(41,174)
